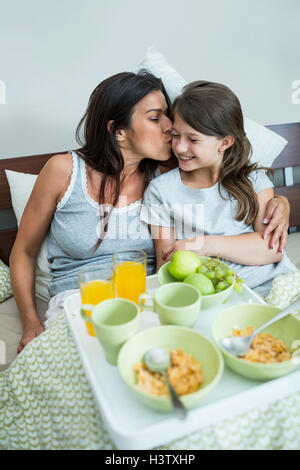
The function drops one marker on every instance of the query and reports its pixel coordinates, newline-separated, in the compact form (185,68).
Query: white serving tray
(130,423)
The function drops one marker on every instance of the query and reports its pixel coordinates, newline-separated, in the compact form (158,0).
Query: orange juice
(130,280)
(93,292)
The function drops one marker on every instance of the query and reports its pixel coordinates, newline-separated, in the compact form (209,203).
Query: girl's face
(150,133)
(193,149)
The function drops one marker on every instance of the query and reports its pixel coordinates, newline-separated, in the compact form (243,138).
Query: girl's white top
(168,202)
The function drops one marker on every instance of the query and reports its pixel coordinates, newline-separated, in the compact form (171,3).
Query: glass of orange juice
(130,271)
(96,283)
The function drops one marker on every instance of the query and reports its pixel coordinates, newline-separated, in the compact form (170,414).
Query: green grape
(230,272)
(211,275)
(230,279)
(202,270)
(219,272)
(222,285)
(211,264)
(238,285)
(224,269)
(221,275)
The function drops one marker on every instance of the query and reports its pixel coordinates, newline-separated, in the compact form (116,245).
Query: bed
(37,428)
(285,167)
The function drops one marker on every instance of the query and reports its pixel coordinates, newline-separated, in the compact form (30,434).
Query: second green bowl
(244,315)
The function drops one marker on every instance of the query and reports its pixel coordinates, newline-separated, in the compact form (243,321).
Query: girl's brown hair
(213,109)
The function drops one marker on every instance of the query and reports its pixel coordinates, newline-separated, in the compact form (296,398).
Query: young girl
(214,202)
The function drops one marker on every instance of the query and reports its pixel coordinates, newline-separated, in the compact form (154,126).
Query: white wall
(53,54)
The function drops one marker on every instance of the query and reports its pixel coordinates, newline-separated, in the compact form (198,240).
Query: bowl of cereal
(271,351)
(196,366)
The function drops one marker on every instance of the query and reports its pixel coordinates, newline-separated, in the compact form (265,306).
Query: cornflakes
(184,373)
(264,348)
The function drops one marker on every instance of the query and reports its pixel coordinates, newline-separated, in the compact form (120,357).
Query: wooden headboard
(8,222)
(289,158)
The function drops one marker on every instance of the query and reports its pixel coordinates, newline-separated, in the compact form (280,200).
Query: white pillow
(5,287)
(265,143)
(21,185)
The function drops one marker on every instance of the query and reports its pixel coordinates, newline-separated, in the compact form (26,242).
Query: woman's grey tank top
(75,228)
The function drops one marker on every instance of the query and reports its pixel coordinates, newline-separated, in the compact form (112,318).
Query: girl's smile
(184,160)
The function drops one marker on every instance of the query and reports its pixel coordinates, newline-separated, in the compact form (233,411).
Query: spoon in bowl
(158,360)
(239,345)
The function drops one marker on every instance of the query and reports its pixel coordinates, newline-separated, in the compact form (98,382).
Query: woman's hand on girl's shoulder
(276,217)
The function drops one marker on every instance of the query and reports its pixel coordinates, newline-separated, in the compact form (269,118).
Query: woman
(127,137)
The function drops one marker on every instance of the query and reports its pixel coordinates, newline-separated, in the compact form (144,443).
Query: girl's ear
(226,142)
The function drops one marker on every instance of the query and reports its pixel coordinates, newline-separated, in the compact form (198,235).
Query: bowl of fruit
(213,278)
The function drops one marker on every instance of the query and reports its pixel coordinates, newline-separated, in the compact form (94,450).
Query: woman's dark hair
(213,109)
(114,99)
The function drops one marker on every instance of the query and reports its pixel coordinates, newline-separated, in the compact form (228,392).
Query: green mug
(175,303)
(115,321)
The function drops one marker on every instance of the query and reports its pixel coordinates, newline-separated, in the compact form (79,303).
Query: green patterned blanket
(46,401)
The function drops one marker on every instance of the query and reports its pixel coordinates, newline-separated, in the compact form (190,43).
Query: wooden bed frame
(289,158)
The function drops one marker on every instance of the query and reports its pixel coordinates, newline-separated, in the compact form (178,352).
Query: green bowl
(244,315)
(208,301)
(171,337)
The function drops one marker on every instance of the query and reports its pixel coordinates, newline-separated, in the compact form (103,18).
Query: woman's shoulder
(56,173)
(60,162)
(58,166)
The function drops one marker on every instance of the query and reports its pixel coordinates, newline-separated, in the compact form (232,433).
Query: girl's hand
(191,244)
(168,251)
(277,217)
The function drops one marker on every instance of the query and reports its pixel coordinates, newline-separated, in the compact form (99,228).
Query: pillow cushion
(266,144)
(21,185)
(5,287)
(293,248)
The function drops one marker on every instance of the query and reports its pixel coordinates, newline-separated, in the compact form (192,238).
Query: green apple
(201,282)
(183,263)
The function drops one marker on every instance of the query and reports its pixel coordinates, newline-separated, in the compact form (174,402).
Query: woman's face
(150,133)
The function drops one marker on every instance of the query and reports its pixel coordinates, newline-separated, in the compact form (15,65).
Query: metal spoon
(158,360)
(238,345)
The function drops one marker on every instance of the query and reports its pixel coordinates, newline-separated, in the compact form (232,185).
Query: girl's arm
(163,237)
(247,249)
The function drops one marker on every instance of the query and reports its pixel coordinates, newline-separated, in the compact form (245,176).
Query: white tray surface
(131,424)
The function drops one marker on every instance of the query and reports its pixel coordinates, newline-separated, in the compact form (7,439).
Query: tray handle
(147,296)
